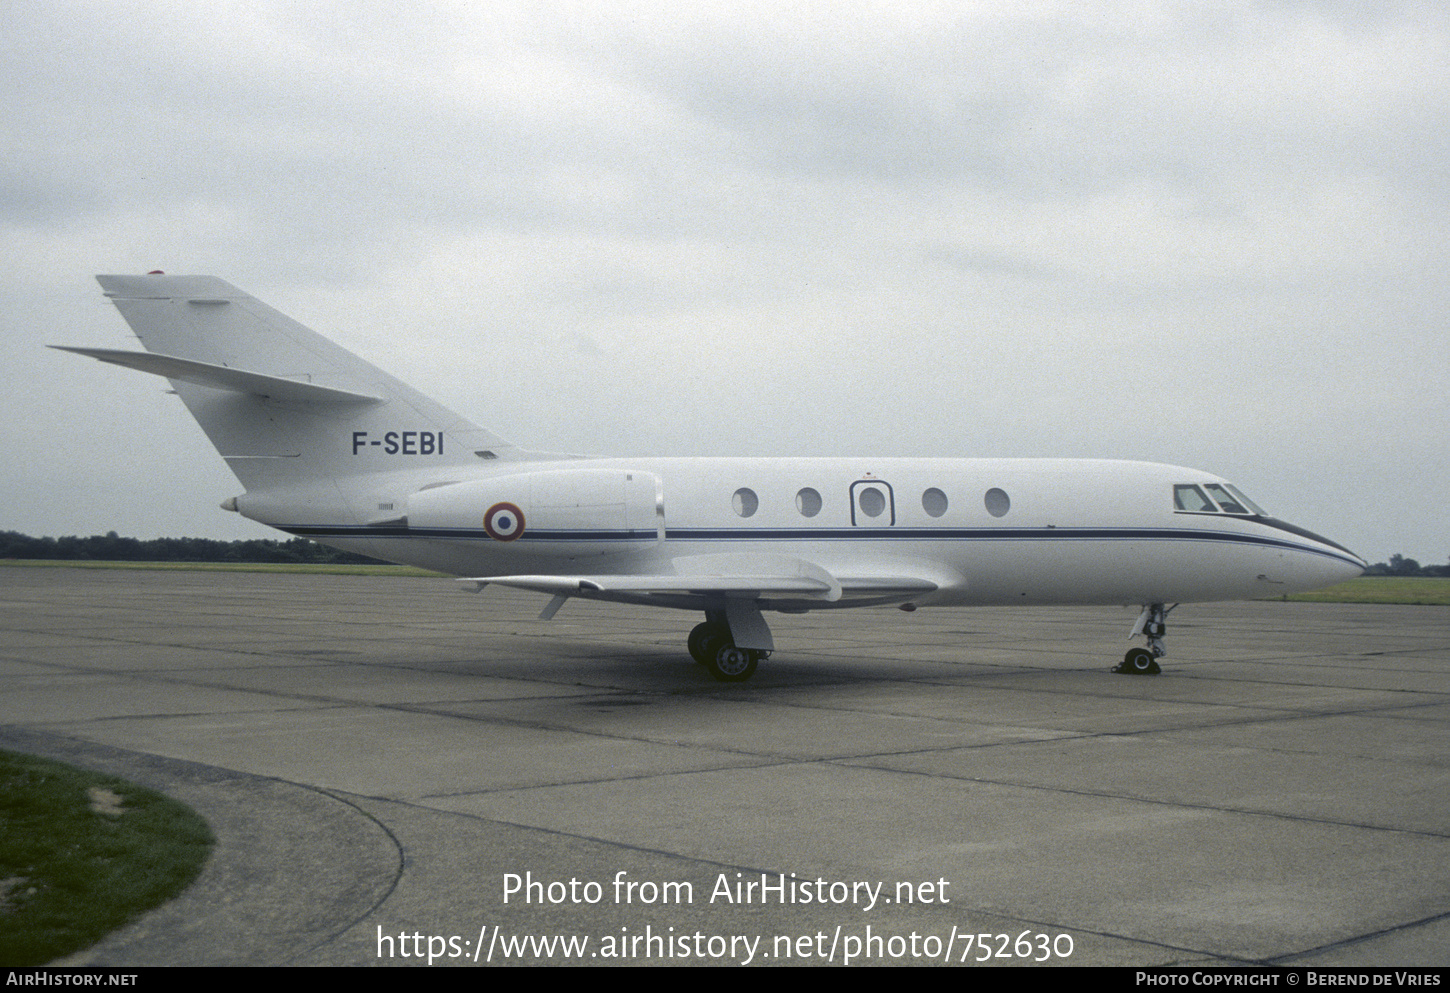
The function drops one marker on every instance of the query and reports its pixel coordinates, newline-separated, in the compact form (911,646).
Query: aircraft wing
(747,574)
(661,584)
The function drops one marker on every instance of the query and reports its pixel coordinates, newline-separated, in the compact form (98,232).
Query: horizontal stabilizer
(220,377)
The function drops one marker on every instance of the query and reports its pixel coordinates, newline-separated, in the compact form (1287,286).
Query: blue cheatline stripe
(533,535)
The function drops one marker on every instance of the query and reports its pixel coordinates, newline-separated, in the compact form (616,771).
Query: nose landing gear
(1138,662)
(1152,624)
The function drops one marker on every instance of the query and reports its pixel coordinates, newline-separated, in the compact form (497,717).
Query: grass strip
(82,854)
(1426,590)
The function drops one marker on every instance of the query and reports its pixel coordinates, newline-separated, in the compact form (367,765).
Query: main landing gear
(712,645)
(1153,624)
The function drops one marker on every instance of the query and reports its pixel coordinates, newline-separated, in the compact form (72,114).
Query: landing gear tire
(1139,662)
(700,638)
(727,663)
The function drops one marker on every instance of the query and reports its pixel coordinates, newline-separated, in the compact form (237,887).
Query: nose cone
(1349,567)
(1310,561)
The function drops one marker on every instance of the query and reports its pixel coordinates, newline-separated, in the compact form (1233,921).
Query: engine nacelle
(568,511)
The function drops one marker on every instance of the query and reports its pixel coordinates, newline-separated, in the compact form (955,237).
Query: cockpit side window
(1225,500)
(1188,497)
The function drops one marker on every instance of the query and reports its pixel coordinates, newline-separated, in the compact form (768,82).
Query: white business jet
(331,448)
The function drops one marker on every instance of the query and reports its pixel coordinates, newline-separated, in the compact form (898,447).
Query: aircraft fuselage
(982,531)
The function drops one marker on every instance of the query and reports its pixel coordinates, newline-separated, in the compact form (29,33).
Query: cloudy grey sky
(1212,234)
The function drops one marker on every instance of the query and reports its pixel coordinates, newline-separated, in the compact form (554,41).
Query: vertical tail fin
(283,405)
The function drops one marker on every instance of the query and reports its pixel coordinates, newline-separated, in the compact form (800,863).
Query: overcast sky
(1211,234)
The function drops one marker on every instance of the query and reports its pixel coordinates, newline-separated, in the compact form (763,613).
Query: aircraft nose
(1327,563)
(1354,569)
(1327,570)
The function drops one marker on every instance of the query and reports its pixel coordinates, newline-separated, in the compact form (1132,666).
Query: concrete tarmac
(381,758)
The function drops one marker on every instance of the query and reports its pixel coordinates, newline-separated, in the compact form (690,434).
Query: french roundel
(504,522)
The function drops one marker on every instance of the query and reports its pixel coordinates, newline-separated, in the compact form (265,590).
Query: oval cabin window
(871,501)
(745,502)
(934,502)
(997,501)
(808,502)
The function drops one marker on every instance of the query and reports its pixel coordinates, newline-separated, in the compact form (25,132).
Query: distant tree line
(111,547)
(1398,565)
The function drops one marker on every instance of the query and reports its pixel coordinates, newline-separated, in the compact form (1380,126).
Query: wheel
(1139,662)
(728,663)
(700,636)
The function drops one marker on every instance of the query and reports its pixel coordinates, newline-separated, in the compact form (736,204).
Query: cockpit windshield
(1192,498)
(1188,497)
